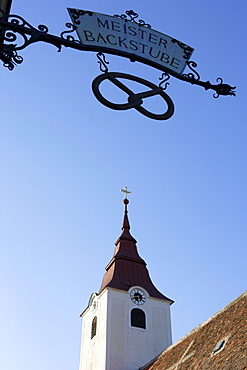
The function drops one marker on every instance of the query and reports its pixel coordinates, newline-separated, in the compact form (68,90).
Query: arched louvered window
(138,318)
(94,327)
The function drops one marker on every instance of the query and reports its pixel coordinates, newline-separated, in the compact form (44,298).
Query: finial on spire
(125,192)
(126,200)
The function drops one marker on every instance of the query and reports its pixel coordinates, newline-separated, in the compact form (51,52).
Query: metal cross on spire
(125,191)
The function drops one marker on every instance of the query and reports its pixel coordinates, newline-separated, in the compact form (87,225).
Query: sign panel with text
(127,38)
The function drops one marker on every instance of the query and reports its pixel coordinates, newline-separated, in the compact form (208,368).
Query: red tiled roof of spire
(127,268)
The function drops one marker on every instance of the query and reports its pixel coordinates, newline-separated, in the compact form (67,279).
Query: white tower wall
(117,345)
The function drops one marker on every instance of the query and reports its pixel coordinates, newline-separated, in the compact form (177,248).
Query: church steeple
(127,268)
(127,323)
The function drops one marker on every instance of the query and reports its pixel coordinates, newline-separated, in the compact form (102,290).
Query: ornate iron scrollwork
(70,38)
(16,25)
(165,77)
(195,75)
(16,34)
(132,18)
(75,14)
(187,49)
(102,62)
(10,57)
(220,89)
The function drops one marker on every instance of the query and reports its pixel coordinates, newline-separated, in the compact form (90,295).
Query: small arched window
(138,318)
(94,327)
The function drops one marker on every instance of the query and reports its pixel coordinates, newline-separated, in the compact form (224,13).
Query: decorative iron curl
(163,84)
(102,62)
(132,18)
(42,28)
(195,75)
(18,21)
(76,13)
(11,36)
(8,36)
(187,49)
(69,37)
(10,58)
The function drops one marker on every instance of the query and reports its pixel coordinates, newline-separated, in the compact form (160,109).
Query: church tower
(127,323)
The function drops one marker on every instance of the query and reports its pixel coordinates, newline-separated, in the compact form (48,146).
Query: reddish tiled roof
(198,349)
(127,268)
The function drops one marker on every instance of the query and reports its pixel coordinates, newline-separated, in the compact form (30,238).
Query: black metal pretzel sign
(134,100)
(122,35)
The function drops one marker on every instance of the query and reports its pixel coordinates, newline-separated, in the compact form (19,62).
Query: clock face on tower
(137,296)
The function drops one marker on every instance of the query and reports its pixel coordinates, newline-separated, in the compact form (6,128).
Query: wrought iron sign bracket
(16,34)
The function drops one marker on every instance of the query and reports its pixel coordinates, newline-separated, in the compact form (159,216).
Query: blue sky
(64,157)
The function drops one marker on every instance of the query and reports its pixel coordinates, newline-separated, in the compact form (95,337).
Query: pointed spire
(126,225)
(126,267)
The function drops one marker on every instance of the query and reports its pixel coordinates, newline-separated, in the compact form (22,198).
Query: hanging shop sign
(136,41)
(124,35)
